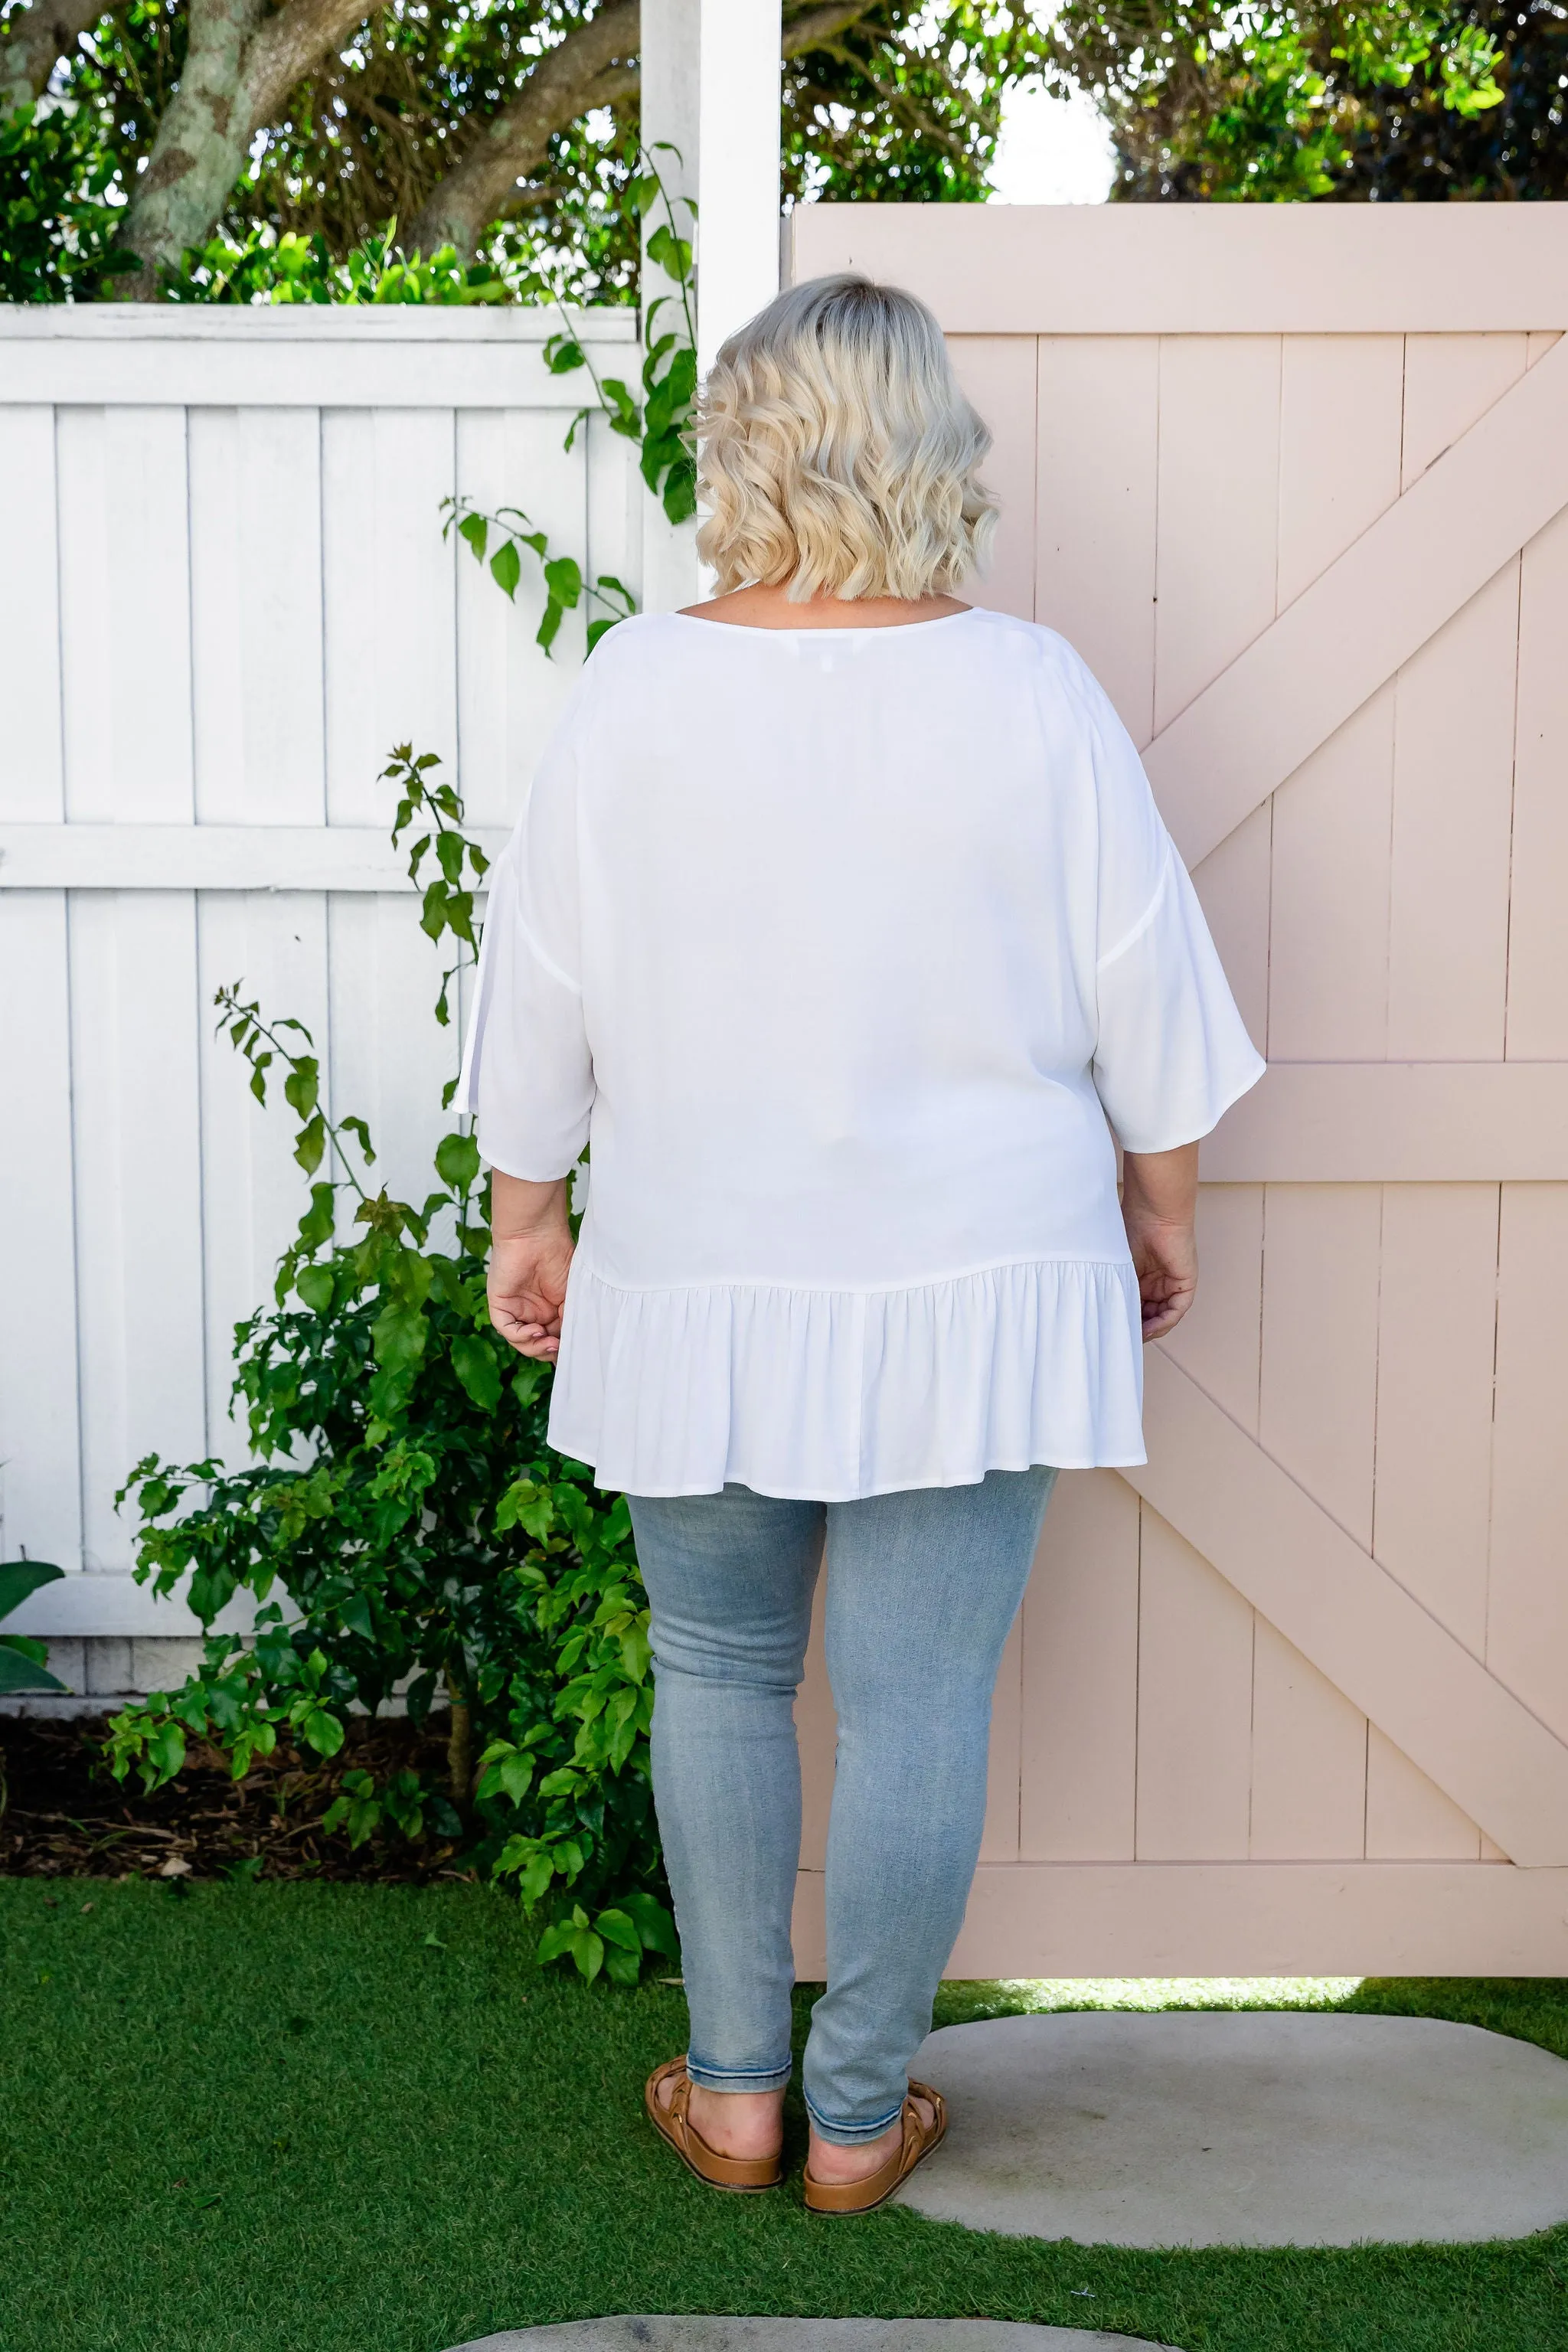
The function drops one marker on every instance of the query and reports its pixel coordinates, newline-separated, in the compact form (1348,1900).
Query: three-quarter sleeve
(528,1073)
(1172,1053)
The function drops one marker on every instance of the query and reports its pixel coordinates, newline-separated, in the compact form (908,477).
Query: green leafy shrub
(404,1525)
(57,228)
(264,267)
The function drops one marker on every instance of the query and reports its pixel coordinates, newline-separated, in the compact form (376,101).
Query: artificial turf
(327,2118)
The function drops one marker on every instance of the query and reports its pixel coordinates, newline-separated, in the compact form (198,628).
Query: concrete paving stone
(1244,2128)
(721,2334)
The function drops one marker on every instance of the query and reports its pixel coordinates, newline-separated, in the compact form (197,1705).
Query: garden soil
(66,1817)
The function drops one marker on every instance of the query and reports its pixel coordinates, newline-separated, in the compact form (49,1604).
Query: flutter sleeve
(528,1073)
(1173,1053)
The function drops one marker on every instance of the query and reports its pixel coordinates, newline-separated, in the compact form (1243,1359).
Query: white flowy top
(841,946)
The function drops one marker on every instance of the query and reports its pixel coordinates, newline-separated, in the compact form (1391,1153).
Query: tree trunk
(200,148)
(36,38)
(590,68)
(459,1746)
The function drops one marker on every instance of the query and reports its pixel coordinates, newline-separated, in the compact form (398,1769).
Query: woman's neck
(770,608)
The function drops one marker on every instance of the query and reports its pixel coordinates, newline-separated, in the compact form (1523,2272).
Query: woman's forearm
(519,1208)
(1161,1187)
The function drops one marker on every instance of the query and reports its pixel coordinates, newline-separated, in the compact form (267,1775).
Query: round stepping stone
(694,2335)
(1232,2128)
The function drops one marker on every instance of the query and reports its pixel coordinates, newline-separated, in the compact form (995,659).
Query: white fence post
(671,41)
(737,167)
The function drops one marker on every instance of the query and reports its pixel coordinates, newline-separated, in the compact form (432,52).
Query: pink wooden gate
(1294,1697)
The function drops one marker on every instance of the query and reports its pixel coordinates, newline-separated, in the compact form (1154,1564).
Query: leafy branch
(659,425)
(564,586)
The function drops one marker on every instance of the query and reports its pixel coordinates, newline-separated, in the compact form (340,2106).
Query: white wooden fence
(224,597)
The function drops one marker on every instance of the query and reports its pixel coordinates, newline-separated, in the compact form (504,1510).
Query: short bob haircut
(836,453)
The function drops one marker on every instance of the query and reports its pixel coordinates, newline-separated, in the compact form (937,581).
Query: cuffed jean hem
(852,2135)
(737,2078)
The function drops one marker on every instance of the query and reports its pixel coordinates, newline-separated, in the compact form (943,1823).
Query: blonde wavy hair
(836,452)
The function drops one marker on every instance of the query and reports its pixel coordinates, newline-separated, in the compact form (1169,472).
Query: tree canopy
(510,131)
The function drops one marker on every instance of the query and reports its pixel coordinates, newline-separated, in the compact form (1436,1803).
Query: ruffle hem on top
(678,1392)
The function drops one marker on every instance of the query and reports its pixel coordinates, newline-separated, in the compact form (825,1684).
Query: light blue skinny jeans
(922,1587)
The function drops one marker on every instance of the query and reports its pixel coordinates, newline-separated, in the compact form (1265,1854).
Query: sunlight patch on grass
(1027,1996)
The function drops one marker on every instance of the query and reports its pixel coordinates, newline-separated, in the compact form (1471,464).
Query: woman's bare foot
(735,2123)
(830,2160)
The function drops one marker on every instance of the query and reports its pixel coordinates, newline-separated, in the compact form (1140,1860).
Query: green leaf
(616,1928)
(18,1577)
(652,1922)
(555,1940)
(476,531)
(311,1144)
(457,1161)
(321,1731)
(672,253)
(315,1286)
(589,1951)
(22,1666)
(398,1337)
(622,1968)
(506,568)
(474,1361)
(535,1880)
(564,578)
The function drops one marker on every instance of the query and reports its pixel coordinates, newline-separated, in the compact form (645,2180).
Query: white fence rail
(224,597)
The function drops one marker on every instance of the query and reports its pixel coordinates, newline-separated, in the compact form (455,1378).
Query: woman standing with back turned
(841,919)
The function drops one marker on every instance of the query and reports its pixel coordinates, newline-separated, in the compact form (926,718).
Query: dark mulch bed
(67,1818)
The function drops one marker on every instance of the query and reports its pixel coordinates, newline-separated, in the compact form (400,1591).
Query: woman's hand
(1159,1198)
(531,1255)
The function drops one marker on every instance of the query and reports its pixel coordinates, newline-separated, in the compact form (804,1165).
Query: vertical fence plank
(1328,909)
(255,576)
(125,615)
(136,1098)
(253,1189)
(1437,1332)
(1538,936)
(1079,1747)
(390,1059)
(388,596)
(999,1839)
(1096,475)
(40,1468)
(1219,475)
(1527,1614)
(509,692)
(1453,795)
(29,618)
(997,372)
(1340,426)
(1219,1341)
(1321,1244)
(1308,1760)
(1341,429)
(1232,887)
(1194,1705)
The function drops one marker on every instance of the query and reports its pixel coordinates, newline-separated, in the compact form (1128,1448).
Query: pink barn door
(1294,1697)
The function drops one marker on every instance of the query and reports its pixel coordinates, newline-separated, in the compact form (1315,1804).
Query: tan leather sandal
(919,2140)
(743,2176)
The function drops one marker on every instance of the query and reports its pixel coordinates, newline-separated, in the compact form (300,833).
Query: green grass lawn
(308,2118)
